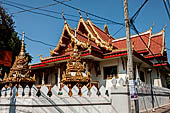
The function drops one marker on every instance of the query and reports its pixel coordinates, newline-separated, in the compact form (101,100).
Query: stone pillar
(87,68)
(58,77)
(43,82)
(137,72)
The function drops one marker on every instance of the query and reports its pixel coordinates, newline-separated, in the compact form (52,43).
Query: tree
(8,38)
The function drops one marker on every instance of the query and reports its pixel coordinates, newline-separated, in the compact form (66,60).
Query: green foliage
(8,37)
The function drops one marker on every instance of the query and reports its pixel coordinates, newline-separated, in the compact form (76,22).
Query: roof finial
(106,30)
(87,15)
(164,27)
(23,36)
(153,24)
(80,13)
(75,32)
(22,45)
(64,17)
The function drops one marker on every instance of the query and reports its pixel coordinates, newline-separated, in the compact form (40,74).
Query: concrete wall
(91,101)
(161,97)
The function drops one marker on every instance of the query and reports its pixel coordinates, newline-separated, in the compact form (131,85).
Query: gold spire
(106,30)
(75,71)
(87,15)
(164,27)
(75,32)
(20,70)
(80,13)
(5,77)
(64,17)
(22,53)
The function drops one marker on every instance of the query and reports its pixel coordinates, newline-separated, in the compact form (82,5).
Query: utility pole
(129,52)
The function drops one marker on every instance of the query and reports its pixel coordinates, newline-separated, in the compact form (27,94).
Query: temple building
(104,56)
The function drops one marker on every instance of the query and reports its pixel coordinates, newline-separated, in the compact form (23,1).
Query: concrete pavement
(162,109)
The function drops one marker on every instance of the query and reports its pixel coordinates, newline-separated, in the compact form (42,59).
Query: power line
(137,12)
(37,12)
(37,41)
(49,11)
(118,30)
(166,9)
(102,23)
(168,4)
(114,22)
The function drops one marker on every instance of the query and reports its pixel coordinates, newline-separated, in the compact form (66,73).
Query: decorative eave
(150,36)
(162,64)
(153,56)
(163,40)
(73,39)
(123,52)
(63,58)
(104,44)
(98,41)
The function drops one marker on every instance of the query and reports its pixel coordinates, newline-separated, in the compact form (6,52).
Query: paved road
(163,109)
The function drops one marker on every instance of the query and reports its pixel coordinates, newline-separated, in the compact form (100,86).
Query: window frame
(116,76)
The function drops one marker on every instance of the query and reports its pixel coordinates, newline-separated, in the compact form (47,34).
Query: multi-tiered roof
(98,44)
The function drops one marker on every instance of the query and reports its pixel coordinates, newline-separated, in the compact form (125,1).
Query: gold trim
(163,39)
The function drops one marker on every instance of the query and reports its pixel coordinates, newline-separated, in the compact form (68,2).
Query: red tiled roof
(136,42)
(102,34)
(91,30)
(156,45)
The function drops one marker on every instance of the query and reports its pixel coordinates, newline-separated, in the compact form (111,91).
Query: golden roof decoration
(75,71)
(20,71)
(106,30)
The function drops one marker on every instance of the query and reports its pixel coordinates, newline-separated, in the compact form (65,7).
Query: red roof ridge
(103,31)
(132,36)
(110,37)
(157,34)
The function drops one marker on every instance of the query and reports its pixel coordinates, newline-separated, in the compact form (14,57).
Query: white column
(137,73)
(58,78)
(87,68)
(43,82)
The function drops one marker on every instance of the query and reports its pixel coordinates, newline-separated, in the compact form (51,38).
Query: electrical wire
(102,23)
(114,22)
(67,19)
(37,12)
(168,4)
(137,12)
(118,30)
(166,9)
(49,11)
(37,41)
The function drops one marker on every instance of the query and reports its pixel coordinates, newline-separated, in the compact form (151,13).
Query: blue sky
(48,29)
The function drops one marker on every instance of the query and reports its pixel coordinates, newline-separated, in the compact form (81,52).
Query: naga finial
(87,15)
(40,56)
(64,17)
(164,27)
(80,13)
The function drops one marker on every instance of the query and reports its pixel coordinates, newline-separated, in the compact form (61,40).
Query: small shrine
(75,72)
(20,72)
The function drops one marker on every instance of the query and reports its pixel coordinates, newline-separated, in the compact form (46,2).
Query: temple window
(110,72)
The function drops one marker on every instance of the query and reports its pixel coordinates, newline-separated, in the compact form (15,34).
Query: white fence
(114,100)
